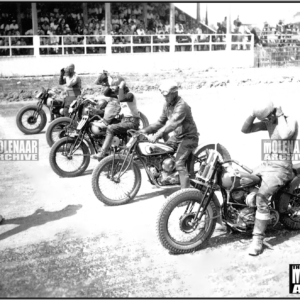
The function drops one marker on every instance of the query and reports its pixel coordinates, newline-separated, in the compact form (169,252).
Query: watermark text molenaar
(294,279)
(274,150)
(19,150)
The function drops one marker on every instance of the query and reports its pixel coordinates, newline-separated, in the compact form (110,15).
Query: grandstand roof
(192,14)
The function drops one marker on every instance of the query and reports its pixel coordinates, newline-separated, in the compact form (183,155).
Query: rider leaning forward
(176,116)
(130,116)
(274,174)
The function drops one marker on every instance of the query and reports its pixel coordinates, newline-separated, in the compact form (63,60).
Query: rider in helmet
(130,120)
(176,116)
(72,82)
(274,173)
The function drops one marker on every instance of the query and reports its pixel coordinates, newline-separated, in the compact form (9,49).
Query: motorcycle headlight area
(115,142)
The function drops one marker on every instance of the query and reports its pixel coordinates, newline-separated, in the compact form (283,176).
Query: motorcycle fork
(39,108)
(73,148)
(207,194)
(121,174)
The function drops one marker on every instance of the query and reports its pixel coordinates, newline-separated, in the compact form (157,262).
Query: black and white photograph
(149,149)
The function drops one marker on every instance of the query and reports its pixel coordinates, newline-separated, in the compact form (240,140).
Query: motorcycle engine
(164,171)
(168,175)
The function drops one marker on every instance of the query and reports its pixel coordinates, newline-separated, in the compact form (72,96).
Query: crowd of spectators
(281,35)
(127,19)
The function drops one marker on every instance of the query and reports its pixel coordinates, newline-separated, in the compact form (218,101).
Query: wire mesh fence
(276,56)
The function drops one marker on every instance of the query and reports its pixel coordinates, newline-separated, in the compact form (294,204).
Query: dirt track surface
(58,240)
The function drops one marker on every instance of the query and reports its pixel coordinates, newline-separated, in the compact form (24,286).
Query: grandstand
(58,29)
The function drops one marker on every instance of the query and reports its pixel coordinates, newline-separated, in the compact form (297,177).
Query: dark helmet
(103,79)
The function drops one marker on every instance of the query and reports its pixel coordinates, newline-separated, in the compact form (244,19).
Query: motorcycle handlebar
(242,166)
(136,132)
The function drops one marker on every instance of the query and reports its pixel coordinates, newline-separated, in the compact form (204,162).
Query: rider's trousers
(273,177)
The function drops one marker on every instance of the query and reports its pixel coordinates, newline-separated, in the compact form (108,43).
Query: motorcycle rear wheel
(180,200)
(33,125)
(195,165)
(57,129)
(59,152)
(292,218)
(105,189)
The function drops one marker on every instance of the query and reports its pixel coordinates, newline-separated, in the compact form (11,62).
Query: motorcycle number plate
(82,122)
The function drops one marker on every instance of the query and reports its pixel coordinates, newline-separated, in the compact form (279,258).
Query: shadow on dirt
(275,236)
(160,192)
(39,217)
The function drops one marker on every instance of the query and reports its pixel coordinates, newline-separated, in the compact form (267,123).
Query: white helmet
(168,86)
(263,109)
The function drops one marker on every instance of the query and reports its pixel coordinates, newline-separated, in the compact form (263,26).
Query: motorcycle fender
(283,199)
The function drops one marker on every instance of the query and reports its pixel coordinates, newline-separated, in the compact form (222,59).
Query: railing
(127,44)
(280,40)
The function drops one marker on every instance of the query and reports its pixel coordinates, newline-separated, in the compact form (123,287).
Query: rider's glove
(62,72)
(279,112)
(153,138)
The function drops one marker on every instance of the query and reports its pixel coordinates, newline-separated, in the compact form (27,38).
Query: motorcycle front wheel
(178,230)
(66,162)
(58,128)
(143,121)
(31,120)
(109,187)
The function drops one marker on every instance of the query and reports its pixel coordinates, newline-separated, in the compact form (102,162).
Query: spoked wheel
(58,129)
(31,120)
(115,181)
(178,228)
(292,218)
(68,158)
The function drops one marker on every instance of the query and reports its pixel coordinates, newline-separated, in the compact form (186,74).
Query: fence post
(36,45)
(228,42)
(172,42)
(108,44)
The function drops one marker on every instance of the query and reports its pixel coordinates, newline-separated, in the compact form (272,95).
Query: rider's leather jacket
(176,117)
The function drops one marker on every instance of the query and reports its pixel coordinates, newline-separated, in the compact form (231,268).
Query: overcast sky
(253,13)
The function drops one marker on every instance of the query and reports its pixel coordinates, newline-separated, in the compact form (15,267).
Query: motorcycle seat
(296,169)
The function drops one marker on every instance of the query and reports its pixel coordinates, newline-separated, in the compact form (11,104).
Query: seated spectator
(29,32)
(14,25)
(137,10)
(140,30)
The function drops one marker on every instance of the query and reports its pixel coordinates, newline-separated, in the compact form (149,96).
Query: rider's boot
(256,246)
(107,142)
(184,179)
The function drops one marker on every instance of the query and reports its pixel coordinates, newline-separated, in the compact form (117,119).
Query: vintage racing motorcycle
(117,178)
(70,155)
(32,119)
(188,219)
(59,127)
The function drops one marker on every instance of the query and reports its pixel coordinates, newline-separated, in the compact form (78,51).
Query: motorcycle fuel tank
(147,148)
(242,179)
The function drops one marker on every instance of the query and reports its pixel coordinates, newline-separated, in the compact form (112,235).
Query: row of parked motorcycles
(188,219)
